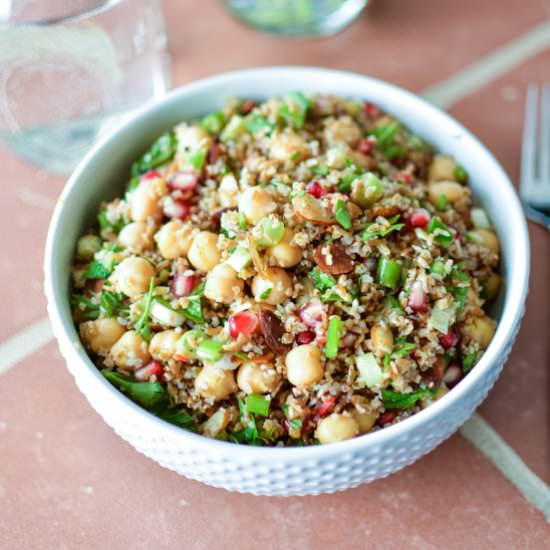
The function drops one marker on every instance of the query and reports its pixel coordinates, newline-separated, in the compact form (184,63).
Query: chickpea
(284,253)
(486,238)
(145,200)
(336,427)
(480,329)
(342,129)
(382,339)
(287,145)
(304,366)
(256,378)
(256,203)
(87,246)
(100,335)
(228,191)
(203,253)
(223,284)
(442,168)
(163,344)
(130,351)
(272,287)
(133,275)
(136,237)
(174,239)
(366,421)
(452,191)
(215,383)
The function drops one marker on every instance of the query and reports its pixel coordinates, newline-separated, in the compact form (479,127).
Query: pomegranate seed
(449,340)
(312,313)
(183,284)
(371,110)
(245,323)
(326,406)
(152,174)
(452,376)
(418,299)
(305,337)
(177,208)
(403,177)
(184,182)
(386,418)
(365,146)
(316,189)
(418,218)
(152,368)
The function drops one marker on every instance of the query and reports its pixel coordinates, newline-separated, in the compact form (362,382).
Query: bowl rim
(512,309)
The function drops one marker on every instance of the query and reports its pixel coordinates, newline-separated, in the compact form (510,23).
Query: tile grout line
(487,69)
(24,343)
(484,438)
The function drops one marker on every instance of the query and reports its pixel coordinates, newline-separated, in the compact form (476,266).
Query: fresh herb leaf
(241,355)
(150,395)
(106,225)
(295,424)
(177,416)
(469,361)
(443,235)
(193,311)
(258,404)
(441,202)
(162,150)
(112,303)
(459,275)
(404,348)
(460,174)
(133,183)
(255,123)
(370,233)
(323,281)
(460,295)
(396,400)
(345,183)
(96,270)
(385,137)
(387,361)
(85,306)
(321,170)
(342,215)
(142,327)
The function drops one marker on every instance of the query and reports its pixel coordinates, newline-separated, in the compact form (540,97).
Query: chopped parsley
(323,281)
(396,400)
(162,151)
(370,232)
(142,326)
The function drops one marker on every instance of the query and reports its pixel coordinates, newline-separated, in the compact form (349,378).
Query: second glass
(66,79)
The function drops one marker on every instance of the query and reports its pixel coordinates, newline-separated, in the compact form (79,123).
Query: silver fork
(535,158)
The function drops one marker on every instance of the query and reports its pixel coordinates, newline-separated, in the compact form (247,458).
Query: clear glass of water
(297,17)
(71,70)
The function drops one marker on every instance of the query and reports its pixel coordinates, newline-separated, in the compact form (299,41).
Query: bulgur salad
(298,271)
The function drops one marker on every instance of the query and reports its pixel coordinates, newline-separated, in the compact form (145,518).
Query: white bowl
(301,470)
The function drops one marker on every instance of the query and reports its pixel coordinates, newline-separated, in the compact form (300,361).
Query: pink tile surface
(67,481)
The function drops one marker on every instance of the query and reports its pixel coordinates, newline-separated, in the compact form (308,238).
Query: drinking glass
(71,70)
(297,17)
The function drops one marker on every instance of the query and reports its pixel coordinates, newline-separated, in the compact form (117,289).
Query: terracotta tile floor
(66,481)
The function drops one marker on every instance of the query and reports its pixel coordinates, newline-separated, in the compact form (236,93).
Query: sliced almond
(309,208)
(332,258)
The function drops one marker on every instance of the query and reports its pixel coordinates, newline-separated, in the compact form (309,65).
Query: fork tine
(528,153)
(544,149)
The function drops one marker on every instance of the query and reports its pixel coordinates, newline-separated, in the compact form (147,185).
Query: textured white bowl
(287,471)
